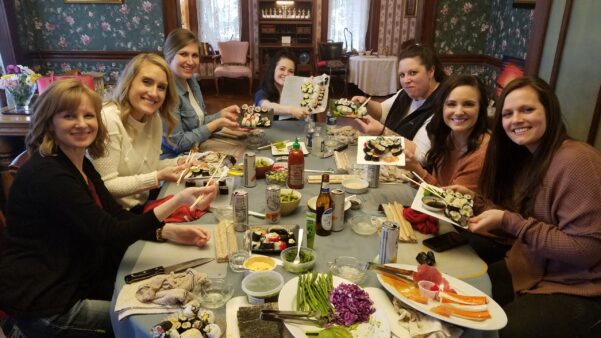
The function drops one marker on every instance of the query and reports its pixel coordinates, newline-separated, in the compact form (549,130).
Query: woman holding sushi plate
(540,189)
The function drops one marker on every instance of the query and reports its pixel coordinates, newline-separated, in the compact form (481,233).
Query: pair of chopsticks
(364,103)
(185,171)
(218,170)
(406,275)
(433,189)
(272,144)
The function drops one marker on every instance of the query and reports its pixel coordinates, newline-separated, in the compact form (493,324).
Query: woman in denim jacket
(194,125)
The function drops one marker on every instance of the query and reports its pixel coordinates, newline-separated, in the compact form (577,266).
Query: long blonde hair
(121,93)
(63,95)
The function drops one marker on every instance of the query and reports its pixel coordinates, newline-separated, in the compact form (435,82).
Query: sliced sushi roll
(244,107)
(206,316)
(278,230)
(266,246)
(368,155)
(212,331)
(257,235)
(375,157)
(379,149)
(272,237)
(396,151)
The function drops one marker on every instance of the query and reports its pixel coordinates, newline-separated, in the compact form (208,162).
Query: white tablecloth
(374,75)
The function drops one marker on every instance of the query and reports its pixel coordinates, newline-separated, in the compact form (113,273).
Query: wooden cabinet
(294,21)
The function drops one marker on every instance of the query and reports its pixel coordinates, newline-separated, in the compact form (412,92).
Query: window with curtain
(351,14)
(218,20)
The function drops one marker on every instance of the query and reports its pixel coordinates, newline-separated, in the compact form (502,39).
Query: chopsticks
(226,141)
(364,103)
(219,169)
(406,275)
(271,144)
(292,316)
(426,186)
(185,171)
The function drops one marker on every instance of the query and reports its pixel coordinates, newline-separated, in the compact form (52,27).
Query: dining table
(462,263)
(375,75)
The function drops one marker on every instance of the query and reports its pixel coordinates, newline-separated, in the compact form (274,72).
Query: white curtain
(351,14)
(218,20)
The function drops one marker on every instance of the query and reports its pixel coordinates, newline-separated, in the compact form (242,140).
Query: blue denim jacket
(187,130)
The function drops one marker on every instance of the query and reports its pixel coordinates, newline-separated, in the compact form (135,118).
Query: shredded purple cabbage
(352,304)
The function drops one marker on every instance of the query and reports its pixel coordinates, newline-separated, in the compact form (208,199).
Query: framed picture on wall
(93,1)
(511,68)
(410,8)
(524,3)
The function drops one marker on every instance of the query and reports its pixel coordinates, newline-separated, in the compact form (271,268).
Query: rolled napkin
(421,222)
(420,325)
(180,215)
(160,294)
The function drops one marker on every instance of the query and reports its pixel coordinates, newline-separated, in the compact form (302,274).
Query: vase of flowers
(19,83)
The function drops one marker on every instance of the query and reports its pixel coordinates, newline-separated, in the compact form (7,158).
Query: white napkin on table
(164,293)
(420,325)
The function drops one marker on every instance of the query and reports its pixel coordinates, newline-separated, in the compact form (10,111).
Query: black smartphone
(445,241)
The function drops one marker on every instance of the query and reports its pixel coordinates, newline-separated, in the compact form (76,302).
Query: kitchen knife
(159,270)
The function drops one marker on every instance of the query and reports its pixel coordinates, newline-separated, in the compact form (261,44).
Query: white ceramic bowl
(313,200)
(355,185)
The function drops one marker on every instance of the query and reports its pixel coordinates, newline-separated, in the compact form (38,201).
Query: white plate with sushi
(275,151)
(381,150)
(376,327)
(306,92)
(418,205)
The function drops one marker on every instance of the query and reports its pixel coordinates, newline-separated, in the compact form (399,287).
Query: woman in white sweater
(132,166)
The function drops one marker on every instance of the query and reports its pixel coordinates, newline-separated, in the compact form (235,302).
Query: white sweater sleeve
(120,183)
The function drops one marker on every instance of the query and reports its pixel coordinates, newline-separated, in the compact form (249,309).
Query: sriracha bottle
(296,167)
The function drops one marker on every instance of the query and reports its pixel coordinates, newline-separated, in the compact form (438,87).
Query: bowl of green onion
(289,201)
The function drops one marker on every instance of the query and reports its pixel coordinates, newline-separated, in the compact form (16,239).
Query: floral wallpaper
(135,25)
(462,26)
(509,32)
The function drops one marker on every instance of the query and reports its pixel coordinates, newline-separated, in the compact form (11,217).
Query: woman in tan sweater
(541,191)
(458,134)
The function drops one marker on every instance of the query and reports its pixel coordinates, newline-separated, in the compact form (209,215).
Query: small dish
(262,286)
(263,165)
(355,185)
(350,268)
(289,201)
(433,203)
(307,255)
(427,289)
(363,225)
(259,263)
(216,293)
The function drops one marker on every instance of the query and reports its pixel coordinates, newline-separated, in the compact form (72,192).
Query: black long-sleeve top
(60,246)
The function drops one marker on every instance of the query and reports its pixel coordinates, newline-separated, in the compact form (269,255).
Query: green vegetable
(335,332)
(304,256)
(312,293)
(277,176)
(289,197)
(261,162)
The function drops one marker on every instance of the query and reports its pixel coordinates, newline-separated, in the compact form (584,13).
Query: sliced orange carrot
(449,297)
(446,311)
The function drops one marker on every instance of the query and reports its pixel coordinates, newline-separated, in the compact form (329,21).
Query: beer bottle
(324,208)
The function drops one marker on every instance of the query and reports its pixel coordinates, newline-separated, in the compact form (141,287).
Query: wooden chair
(235,62)
(331,62)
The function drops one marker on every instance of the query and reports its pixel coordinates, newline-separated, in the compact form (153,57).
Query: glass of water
(236,260)
(216,293)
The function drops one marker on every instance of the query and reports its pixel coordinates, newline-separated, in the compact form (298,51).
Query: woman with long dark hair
(541,190)
(281,65)
(458,134)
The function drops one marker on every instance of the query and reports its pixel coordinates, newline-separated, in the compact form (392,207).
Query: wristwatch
(159,235)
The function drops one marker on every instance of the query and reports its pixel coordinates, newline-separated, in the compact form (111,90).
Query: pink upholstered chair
(235,62)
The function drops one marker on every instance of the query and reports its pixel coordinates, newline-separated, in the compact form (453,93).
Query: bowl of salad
(263,165)
(289,201)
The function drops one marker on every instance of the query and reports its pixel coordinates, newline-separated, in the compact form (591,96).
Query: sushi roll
(206,316)
(280,245)
(379,149)
(244,107)
(160,329)
(212,331)
(396,151)
(279,230)
(257,235)
(192,333)
(272,237)
(266,246)
(375,157)
(368,155)
(186,326)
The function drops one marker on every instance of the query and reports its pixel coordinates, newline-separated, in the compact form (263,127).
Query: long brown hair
(506,161)
(439,132)
(121,93)
(60,96)
(176,40)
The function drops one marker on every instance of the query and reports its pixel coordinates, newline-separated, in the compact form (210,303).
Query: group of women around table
(75,206)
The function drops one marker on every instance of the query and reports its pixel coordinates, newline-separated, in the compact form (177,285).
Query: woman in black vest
(407,112)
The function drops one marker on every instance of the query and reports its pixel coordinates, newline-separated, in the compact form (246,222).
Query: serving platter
(259,239)
(386,158)
(417,205)
(376,327)
(498,318)
(293,95)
